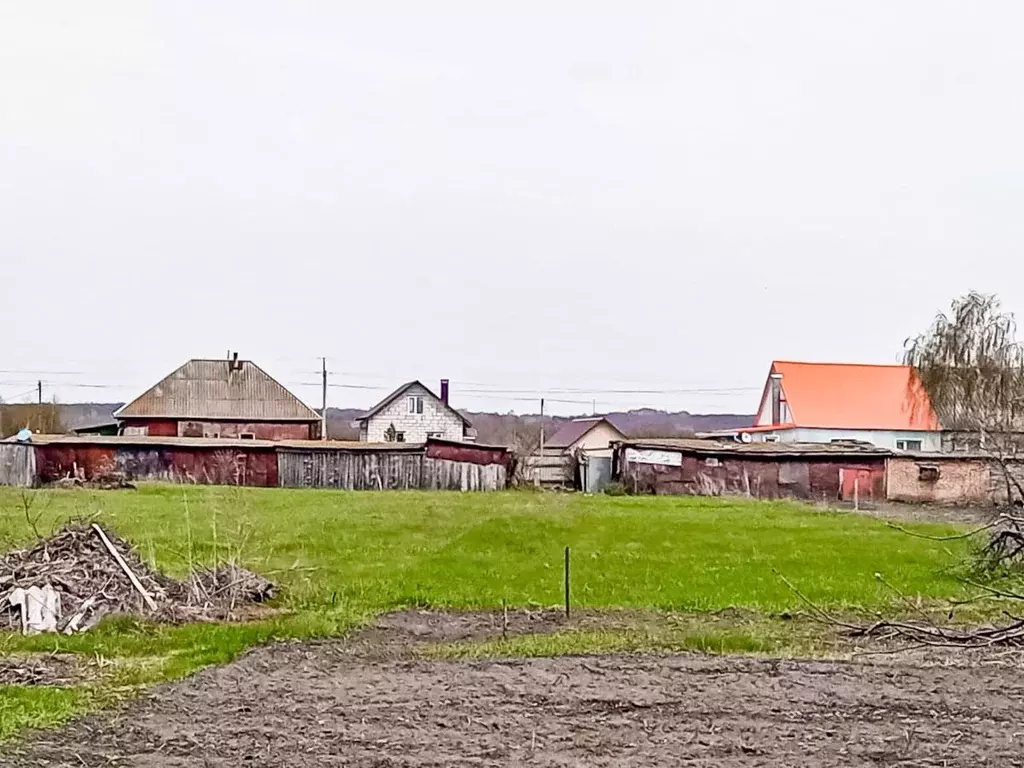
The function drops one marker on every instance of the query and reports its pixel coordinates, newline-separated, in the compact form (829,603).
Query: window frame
(904,445)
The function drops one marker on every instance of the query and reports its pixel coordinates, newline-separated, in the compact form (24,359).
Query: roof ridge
(845,365)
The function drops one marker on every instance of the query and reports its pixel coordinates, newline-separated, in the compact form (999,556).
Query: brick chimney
(444,391)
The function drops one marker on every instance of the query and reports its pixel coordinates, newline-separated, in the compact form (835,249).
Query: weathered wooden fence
(370,471)
(17,465)
(445,475)
(353,471)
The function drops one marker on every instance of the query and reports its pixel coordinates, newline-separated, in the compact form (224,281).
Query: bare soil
(370,701)
(40,669)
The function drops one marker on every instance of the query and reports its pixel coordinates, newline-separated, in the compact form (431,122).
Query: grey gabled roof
(219,389)
(575,429)
(401,391)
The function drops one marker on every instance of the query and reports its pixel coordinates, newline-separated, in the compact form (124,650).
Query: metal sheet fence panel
(17,465)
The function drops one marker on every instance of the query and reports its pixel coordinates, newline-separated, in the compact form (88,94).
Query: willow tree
(972,366)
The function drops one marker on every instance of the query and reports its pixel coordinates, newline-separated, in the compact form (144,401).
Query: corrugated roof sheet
(855,396)
(720,447)
(217,442)
(214,389)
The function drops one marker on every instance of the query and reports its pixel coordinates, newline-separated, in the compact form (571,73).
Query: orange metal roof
(855,396)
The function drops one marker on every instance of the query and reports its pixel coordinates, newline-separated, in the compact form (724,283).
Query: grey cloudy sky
(530,196)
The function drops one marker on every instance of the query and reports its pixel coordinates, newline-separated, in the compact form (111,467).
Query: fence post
(856,494)
(567,582)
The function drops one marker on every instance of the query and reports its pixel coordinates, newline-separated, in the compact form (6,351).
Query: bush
(615,489)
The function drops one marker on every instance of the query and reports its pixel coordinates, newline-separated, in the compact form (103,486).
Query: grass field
(343,557)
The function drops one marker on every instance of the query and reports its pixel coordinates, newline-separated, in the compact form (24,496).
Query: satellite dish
(745,437)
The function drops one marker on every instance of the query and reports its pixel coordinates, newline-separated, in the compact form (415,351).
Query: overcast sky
(559,197)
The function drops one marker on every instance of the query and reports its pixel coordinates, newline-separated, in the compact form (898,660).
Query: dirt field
(370,702)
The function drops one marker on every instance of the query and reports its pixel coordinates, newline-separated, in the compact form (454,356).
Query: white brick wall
(434,419)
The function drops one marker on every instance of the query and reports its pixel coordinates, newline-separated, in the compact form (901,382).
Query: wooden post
(540,462)
(323,411)
(856,494)
(567,582)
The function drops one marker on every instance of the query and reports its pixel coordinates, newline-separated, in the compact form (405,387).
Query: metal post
(567,582)
(323,410)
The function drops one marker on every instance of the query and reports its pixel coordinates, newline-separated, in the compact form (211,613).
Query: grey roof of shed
(402,390)
(214,389)
(576,429)
(706,447)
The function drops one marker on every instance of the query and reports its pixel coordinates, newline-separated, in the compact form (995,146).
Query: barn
(228,398)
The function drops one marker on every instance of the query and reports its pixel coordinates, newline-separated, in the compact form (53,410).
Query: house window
(136,431)
(246,435)
(436,435)
(399,437)
(927,473)
(908,445)
(416,404)
(771,438)
(711,461)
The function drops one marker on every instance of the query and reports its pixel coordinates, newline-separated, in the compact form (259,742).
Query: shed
(813,471)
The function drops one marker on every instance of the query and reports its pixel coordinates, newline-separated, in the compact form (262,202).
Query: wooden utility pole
(39,385)
(540,462)
(323,410)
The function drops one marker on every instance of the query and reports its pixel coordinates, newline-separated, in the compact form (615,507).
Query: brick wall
(436,419)
(960,480)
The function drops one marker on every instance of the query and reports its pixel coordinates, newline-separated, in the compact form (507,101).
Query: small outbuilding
(814,471)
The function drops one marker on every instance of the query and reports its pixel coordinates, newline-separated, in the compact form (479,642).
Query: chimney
(776,379)
(444,391)
(234,364)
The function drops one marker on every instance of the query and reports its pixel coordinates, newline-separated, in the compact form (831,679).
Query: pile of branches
(97,573)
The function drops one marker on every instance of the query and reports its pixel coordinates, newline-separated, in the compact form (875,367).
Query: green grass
(343,557)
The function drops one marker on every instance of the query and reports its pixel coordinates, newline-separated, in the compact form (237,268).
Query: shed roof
(853,396)
(401,391)
(219,389)
(574,430)
(766,450)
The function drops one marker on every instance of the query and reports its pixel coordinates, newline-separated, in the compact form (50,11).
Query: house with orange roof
(884,405)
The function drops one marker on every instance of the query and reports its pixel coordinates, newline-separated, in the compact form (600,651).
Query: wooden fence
(370,471)
(17,465)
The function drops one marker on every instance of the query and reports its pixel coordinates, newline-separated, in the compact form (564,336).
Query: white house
(829,402)
(411,414)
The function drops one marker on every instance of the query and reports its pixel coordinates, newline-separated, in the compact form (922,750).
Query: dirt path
(368,703)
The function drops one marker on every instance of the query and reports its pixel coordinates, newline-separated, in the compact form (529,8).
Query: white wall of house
(435,421)
(598,439)
(883,438)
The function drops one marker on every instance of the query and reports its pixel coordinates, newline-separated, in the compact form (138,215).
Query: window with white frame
(436,435)
(416,404)
(909,445)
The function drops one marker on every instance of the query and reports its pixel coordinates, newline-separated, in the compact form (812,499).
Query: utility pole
(39,385)
(323,410)
(540,462)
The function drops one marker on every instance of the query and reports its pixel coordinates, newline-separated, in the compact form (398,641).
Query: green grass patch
(39,707)
(343,557)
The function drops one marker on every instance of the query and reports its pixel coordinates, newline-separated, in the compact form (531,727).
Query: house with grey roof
(412,414)
(227,398)
(594,434)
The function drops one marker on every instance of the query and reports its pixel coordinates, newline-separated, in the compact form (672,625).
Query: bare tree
(971,366)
